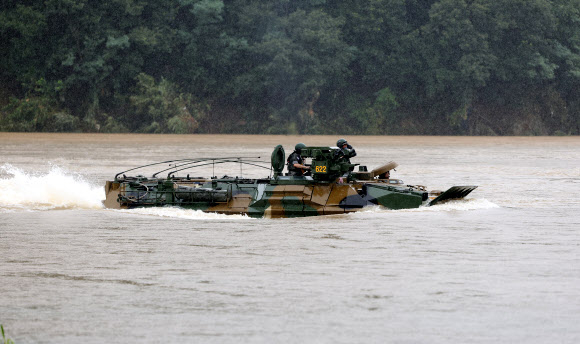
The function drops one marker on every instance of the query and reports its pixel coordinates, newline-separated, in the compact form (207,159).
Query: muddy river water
(502,265)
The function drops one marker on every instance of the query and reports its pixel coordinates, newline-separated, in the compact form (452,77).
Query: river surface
(501,266)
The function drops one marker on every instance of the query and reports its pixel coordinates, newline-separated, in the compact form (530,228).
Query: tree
(294,64)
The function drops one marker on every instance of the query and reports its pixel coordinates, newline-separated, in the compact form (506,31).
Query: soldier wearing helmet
(295,162)
(345,151)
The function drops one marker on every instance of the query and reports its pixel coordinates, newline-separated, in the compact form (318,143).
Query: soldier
(296,165)
(345,151)
(385,175)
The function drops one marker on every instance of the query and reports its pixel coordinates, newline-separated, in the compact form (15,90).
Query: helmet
(299,147)
(340,143)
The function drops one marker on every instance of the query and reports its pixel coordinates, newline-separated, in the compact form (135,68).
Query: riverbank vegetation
(429,67)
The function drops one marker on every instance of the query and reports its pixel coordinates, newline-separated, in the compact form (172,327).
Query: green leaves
(301,57)
(301,66)
(159,107)
(119,42)
(4,339)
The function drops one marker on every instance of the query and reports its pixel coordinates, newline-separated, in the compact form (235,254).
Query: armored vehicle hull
(334,189)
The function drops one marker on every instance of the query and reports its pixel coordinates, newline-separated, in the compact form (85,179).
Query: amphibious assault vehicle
(333,187)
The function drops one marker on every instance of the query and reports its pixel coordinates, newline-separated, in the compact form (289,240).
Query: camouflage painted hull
(281,196)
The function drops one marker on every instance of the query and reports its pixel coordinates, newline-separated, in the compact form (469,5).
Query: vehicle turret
(326,166)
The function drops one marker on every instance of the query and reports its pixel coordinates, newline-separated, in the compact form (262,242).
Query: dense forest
(413,67)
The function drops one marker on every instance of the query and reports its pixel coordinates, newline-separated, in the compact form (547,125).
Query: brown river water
(503,265)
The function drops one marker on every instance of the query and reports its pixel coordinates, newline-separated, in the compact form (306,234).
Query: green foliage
(4,339)
(301,66)
(159,107)
(458,116)
(377,118)
(112,125)
(36,114)
(38,111)
(301,57)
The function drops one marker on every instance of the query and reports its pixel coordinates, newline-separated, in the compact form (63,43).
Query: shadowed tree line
(453,67)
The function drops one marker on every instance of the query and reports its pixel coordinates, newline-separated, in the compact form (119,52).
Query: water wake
(453,205)
(459,205)
(57,189)
(180,213)
(176,212)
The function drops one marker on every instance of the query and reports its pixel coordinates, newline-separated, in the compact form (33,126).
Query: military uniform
(295,158)
(344,153)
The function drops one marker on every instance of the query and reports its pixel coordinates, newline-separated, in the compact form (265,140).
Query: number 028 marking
(320,169)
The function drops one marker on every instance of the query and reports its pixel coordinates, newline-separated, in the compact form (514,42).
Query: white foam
(453,205)
(459,205)
(176,212)
(57,189)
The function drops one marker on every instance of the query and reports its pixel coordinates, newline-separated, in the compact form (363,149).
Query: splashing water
(57,189)
(176,212)
(459,205)
(189,214)
(452,205)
